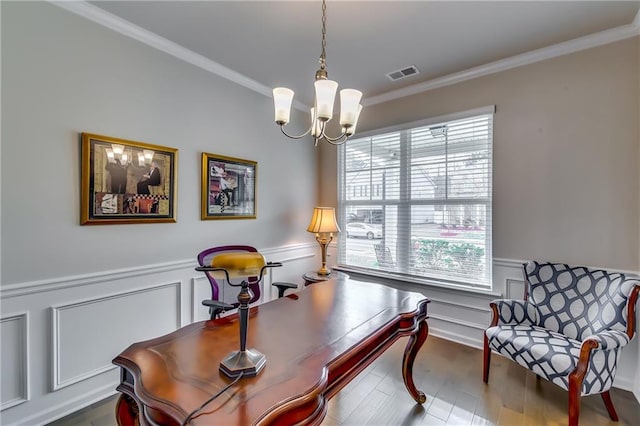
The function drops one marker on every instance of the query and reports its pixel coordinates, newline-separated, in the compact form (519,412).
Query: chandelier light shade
(322,111)
(323,224)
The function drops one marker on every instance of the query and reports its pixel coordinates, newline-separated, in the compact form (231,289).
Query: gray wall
(566,150)
(62,75)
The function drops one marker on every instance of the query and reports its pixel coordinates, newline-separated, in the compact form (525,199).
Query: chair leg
(606,397)
(487,360)
(574,401)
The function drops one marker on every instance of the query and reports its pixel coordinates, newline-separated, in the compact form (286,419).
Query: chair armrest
(513,311)
(608,339)
(282,287)
(216,307)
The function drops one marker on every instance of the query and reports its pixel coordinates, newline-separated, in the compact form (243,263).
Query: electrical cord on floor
(204,404)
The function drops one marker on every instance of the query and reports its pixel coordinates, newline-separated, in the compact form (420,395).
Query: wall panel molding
(59,283)
(510,289)
(20,320)
(461,305)
(69,406)
(59,387)
(57,351)
(23,289)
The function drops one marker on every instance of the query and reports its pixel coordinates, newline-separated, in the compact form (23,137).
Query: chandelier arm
(339,139)
(294,136)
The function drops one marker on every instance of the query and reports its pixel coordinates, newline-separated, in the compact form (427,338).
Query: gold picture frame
(228,187)
(126,181)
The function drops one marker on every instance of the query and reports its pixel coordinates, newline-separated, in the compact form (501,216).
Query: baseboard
(70,406)
(455,337)
(624,383)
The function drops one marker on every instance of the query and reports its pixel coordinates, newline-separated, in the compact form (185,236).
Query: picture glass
(229,187)
(127,182)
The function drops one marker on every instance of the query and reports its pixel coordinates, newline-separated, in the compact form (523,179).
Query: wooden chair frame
(577,375)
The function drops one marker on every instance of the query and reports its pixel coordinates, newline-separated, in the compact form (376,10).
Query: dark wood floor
(450,375)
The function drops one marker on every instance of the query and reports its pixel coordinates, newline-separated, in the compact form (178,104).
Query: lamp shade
(239,264)
(325,96)
(282,99)
(323,220)
(351,130)
(349,103)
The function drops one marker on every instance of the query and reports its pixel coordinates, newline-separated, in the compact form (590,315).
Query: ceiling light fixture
(322,110)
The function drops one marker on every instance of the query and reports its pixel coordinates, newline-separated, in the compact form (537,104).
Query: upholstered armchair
(569,329)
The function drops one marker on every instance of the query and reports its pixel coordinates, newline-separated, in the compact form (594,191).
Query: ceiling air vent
(403,73)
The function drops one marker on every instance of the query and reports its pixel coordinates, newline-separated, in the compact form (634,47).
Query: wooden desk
(315,341)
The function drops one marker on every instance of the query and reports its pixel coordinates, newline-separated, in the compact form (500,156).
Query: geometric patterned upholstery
(554,356)
(564,307)
(578,301)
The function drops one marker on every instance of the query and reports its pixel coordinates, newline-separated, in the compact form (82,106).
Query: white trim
(508,283)
(508,263)
(149,38)
(461,305)
(415,282)
(270,251)
(571,46)
(481,327)
(194,305)
(489,109)
(517,264)
(129,29)
(69,406)
(56,382)
(623,382)
(26,391)
(22,289)
(455,337)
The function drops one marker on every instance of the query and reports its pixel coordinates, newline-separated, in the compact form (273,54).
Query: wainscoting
(60,335)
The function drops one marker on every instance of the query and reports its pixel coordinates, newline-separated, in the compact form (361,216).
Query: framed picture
(228,187)
(127,182)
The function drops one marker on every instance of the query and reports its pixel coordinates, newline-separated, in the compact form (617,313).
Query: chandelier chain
(323,55)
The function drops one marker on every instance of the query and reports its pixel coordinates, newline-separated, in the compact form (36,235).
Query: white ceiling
(277,43)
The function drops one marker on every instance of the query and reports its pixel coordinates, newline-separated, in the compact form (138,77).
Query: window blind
(416,200)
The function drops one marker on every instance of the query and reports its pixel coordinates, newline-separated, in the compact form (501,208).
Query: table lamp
(323,224)
(248,362)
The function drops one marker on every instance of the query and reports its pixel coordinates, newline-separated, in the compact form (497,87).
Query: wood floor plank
(451,376)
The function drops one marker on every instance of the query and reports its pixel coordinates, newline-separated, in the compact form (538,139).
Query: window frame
(403,225)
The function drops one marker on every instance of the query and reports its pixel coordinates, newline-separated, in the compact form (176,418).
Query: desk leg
(127,411)
(414,344)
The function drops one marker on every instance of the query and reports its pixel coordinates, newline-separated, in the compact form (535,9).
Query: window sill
(402,279)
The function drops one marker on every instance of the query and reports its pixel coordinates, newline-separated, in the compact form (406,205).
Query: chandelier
(322,110)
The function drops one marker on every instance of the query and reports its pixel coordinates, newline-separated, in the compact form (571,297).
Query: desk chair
(216,307)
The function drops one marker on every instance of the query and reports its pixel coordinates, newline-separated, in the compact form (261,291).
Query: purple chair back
(205,257)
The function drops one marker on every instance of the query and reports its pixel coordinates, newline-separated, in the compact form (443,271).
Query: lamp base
(249,363)
(323,271)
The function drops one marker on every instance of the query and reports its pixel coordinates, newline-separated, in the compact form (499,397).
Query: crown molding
(553,51)
(124,27)
(129,29)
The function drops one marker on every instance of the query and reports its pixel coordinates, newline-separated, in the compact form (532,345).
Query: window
(415,200)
